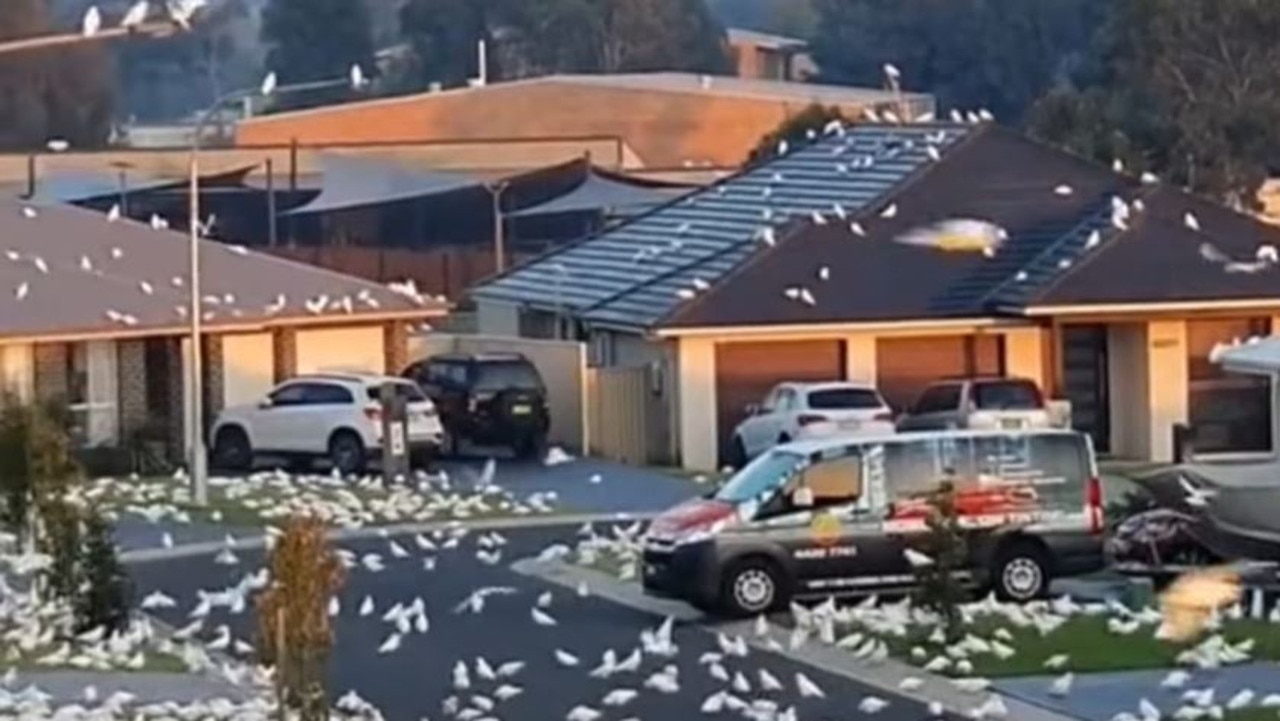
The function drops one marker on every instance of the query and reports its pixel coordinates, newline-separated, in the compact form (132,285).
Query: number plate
(521,410)
(1011,423)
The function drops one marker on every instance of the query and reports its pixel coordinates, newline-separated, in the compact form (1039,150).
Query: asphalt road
(414,681)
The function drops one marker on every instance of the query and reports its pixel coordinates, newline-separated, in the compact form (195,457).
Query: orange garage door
(746,371)
(904,366)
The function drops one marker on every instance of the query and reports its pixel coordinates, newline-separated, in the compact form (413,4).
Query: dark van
(835,517)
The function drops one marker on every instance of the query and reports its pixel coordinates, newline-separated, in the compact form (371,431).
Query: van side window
(836,481)
(917,466)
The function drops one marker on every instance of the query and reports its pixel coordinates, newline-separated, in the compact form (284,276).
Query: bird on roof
(92,22)
(113,214)
(1264,259)
(890,211)
(269,84)
(136,15)
(856,228)
(181,11)
(1064,190)
(1191,221)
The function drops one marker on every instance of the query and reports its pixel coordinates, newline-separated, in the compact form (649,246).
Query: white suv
(793,411)
(335,416)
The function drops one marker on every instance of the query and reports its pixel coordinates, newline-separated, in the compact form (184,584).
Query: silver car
(979,404)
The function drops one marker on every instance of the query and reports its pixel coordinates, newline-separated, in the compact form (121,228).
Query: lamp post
(496,191)
(197,462)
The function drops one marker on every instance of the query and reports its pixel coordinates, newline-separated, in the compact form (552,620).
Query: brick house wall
(131,387)
(395,346)
(285,353)
(51,371)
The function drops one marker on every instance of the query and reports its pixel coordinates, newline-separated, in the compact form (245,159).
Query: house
(666,120)
(94,316)
(1108,291)
(766,56)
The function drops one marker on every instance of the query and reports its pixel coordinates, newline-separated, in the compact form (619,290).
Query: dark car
(842,516)
(489,399)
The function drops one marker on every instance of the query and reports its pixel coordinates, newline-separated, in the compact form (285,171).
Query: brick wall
(395,345)
(285,356)
(177,414)
(214,378)
(131,369)
(51,371)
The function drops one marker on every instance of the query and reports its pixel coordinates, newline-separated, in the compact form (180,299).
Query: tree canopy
(795,130)
(1187,88)
(996,54)
(311,40)
(57,93)
(533,37)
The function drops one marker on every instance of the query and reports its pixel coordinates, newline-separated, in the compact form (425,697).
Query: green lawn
(1088,644)
(1252,714)
(270,498)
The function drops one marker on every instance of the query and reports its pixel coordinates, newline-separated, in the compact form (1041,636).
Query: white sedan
(792,411)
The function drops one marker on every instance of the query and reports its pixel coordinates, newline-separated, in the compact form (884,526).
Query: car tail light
(810,419)
(373,413)
(1093,504)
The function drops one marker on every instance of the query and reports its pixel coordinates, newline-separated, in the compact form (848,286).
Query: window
(836,481)
(938,399)
(786,400)
(845,399)
(918,465)
(770,402)
(407,392)
(446,374)
(1007,396)
(326,394)
(1230,412)
(293,394)
(499,376)
(761,477)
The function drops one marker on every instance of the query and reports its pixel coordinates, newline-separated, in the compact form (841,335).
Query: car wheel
(346,453)
(529,447)
(751,587)
(232,450)
(1021,572)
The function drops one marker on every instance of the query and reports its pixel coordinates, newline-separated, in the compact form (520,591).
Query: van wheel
(346,453)
(1021,572)
(753,586)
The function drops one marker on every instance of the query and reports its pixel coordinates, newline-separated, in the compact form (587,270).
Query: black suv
(490,399)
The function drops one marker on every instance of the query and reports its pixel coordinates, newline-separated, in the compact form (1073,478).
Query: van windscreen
(760,477)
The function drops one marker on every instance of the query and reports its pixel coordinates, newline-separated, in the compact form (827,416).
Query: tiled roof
(66,270)
(629,276)
(995,176)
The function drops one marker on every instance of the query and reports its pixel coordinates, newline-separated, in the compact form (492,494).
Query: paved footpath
(67,687)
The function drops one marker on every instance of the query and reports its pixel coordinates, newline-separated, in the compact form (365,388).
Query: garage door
(746,371)
(904,366)
(356,349)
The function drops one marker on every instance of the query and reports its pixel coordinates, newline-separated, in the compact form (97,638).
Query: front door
(1085,381)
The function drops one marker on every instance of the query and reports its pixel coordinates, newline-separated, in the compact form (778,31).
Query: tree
(311,40)
(64,93)
(995,54)
(533,37)
(294,632)
(103,597)
(939,588)
(1187,88)
(794,130)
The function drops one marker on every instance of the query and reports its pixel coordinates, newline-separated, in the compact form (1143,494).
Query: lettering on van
(817,553)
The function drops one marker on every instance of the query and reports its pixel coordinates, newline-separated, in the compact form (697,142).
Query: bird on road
(92,22)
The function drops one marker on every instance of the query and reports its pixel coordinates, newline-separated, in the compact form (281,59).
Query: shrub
(36,465)
(294,633)
(939,587)
(61,539)
(103,600)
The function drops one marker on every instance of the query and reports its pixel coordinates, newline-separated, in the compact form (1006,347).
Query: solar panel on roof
(631,274)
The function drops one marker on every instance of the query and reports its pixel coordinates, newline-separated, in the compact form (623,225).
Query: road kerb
(886,675)
(256,542)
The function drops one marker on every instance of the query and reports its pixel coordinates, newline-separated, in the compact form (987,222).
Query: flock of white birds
(346,503)
(862,631)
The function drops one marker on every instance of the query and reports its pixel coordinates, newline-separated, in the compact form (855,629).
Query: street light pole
(197,460)
(499,225)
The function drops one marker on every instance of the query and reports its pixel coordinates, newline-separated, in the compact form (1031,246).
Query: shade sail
(599,193)
(358,182)
(82,186)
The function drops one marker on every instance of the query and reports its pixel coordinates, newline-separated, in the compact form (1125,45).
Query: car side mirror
(802,497)
(265,403)
(752,409)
